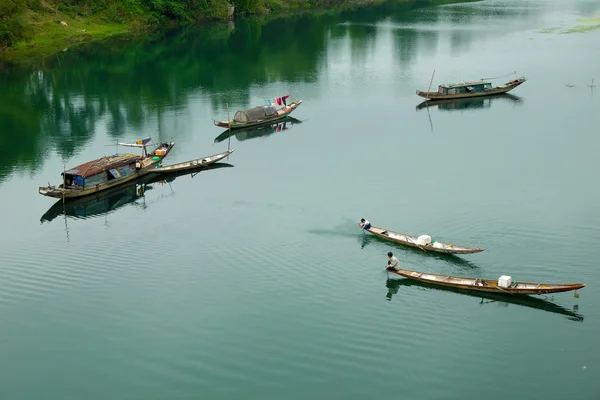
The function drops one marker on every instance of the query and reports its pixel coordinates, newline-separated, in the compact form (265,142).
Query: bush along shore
(33,29)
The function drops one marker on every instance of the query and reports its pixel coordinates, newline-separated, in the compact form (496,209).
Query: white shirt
(394,263)
(366,222)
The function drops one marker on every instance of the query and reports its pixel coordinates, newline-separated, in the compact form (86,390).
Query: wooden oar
(499,288)
(361,228)
(415,243)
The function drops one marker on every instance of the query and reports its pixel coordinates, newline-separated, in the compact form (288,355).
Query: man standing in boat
(364,224)
(393,263)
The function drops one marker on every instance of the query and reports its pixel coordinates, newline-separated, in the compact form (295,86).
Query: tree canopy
(12,25)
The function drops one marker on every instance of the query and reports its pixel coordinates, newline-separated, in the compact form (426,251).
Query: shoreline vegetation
(33,29)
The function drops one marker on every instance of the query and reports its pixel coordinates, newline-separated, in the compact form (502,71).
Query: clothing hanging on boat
(279,101)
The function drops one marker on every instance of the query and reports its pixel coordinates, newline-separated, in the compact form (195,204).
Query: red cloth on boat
(279,101)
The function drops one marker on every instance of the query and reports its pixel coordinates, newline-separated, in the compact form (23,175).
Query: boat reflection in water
(113,199)
(393,285)
(258,131)
(469,103)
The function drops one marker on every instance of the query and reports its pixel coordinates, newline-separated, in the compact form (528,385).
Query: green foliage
(12,26)
(22,20)
(129,82)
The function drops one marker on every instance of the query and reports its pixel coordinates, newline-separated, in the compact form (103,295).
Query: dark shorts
(391,269)
(367,226)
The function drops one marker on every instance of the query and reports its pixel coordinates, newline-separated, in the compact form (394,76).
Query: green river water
(253,280)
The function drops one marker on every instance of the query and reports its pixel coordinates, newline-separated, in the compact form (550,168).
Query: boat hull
(409,240)
(495,91)
(193,164)
(536,303)
(59,192)
(258,131)
(487,285)
(468,103)
(282,114)
(110,200)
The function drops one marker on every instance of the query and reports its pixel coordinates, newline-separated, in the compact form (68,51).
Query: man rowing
(393,263)
(364,224)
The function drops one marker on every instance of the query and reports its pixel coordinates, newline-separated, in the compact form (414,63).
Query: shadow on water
(112,200)
(394,285)
(368,239)
(259,131)
(469,104)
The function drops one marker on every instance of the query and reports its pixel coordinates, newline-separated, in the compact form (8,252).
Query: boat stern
(223,124)
(161,151)
(292,106)
(515,83)
(50,191)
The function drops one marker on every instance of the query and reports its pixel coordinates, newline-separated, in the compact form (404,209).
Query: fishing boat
(260,115)
(108,201)
(538,303)
(258,131)
(423,242)
(192,164)
(108,172)
(461,90)
(502,285)
(468,103)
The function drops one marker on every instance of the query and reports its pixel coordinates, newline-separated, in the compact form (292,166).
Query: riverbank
(47,28)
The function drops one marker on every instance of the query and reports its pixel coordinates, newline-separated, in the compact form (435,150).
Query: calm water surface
(253,279)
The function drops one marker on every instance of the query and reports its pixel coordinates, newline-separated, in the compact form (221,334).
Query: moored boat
(461,90)
(502,285)
(107,172)
(259,115)
(423,242)
(468,103)
(258,131)
(192,164)
(113,199)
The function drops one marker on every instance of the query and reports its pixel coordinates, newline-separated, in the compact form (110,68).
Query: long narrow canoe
(537,303)
(487,285)
(413,241)
(193,164)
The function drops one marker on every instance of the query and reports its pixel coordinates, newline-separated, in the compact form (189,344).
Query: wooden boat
(193,164)
(467,103)
(260,115)
(108,201)
(463,90)
(414,241)
(258,131)
(537,303)
(488,285)
(107,172)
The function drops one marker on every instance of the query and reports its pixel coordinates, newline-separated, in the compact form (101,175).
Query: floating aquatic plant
(585,25)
